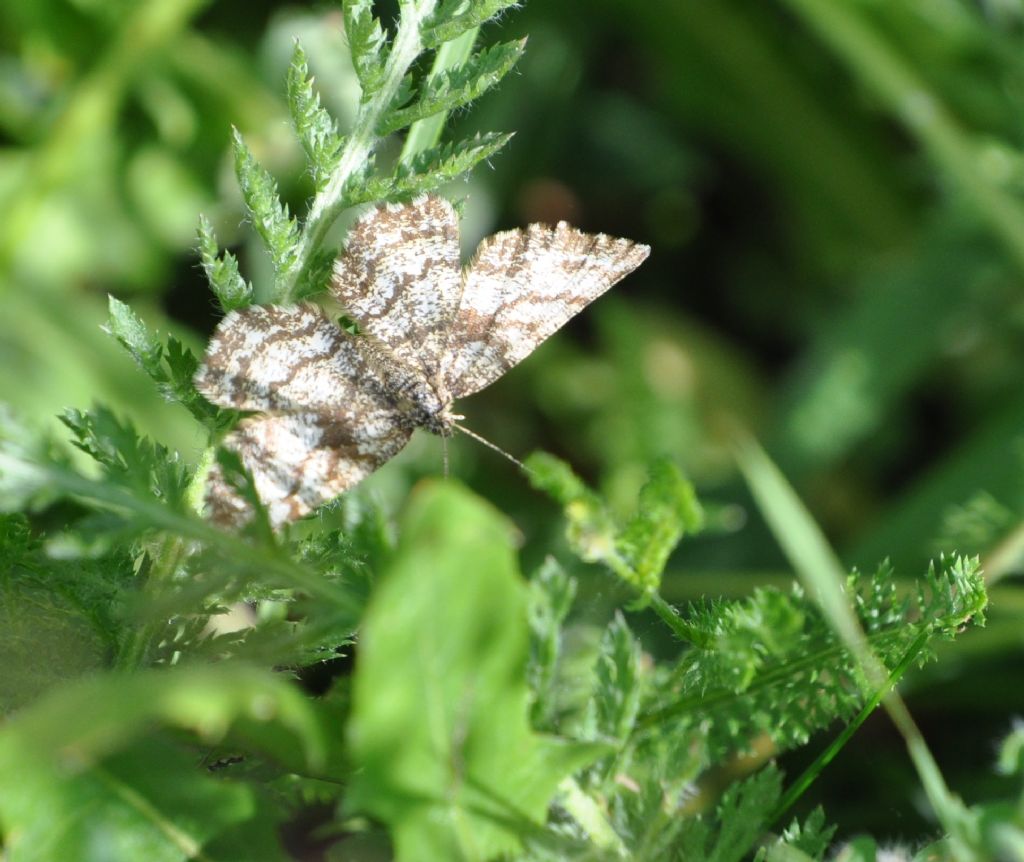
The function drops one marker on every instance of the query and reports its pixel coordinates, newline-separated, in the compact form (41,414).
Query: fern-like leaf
(172,368)
(270,217)
(452,18)
(232,291)
(617,696)
(774,667)
(366,41)
(316,128)
(638,551)
(457,87)
(551,596)
(128,459)
(428,171)
(730,832)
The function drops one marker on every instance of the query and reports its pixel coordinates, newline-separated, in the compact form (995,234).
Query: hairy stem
(362,139)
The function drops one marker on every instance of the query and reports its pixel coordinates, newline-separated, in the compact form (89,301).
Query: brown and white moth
(335,406)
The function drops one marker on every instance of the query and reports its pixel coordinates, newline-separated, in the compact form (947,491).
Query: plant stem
(329,203)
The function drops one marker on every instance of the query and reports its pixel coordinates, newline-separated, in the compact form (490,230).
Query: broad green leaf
(149,801)
(83,777)
(439,732)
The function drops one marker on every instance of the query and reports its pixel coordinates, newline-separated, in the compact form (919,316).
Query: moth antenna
(491,445)
(444,455)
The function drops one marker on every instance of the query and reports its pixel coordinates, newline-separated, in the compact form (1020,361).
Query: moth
(332,406)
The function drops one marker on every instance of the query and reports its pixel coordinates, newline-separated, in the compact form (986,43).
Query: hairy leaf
(129,460)
(455,87)
(366,41)
(429,170)
(270,217)
(171,368)
(232,291)
(316,128)
(771,665)
(730,833)
(454,17)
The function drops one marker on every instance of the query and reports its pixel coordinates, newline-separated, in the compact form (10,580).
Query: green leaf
(316,128)
(172,368)
(366,42)
(759,666)
(429,170)
(317,276)
(801,540)
(454,17)
(617,697)
(737,822)
(58,618)
(591,530)
(82,777)
(270,217)
(232,291)
(132,334)
(23,485)
(129,460)
(439,731)
(551,596)
(147,802)
(637,552)
(812,837)
(667,509)
(454,88)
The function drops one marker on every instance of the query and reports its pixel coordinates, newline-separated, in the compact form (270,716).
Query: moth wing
(400,277)
(520,288)
(299,461)
(328,421)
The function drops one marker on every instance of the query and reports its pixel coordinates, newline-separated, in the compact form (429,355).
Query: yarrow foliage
(484,717)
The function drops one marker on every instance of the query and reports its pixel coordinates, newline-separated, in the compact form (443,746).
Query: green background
(833,194)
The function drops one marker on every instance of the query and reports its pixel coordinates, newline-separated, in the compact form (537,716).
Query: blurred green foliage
(834,192)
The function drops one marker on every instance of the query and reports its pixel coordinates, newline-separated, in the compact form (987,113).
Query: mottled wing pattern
(400,277)
(521,287)
(298,462)
(328,422)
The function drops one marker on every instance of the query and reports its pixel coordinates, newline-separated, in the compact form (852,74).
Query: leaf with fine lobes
(439,735)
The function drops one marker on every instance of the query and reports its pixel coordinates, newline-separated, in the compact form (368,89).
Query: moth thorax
(441,423)
(432,409)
